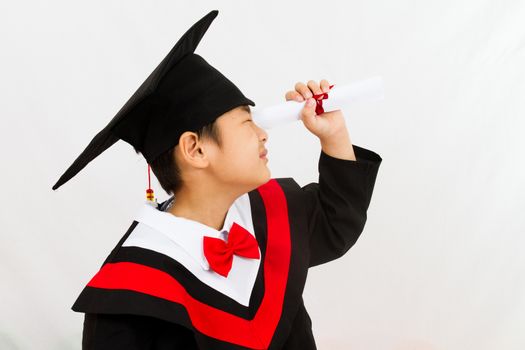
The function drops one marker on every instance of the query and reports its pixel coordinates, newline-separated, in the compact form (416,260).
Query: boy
(221,264)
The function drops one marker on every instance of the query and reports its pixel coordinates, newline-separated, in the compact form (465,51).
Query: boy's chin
(266,177)
(263,179)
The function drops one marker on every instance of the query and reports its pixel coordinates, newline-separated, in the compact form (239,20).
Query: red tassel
(150,195)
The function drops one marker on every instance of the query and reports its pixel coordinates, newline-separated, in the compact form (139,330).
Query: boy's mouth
(263,153)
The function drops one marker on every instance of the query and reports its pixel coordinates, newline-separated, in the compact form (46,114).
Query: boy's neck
(206,208)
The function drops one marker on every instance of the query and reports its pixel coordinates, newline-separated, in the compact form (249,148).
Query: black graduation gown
(141,299)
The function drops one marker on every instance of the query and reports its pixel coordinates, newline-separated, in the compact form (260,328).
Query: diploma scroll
(339,97)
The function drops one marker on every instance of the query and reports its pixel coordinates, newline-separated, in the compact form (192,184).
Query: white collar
(189,234)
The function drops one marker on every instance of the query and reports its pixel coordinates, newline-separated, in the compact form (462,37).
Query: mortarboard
(184,93)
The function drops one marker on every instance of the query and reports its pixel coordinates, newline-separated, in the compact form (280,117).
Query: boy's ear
(190,149)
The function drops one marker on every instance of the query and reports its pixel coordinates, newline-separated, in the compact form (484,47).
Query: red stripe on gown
(256,333)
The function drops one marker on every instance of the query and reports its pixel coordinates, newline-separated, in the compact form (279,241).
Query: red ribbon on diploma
(319,101)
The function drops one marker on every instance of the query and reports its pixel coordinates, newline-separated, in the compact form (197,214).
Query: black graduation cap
(184,93)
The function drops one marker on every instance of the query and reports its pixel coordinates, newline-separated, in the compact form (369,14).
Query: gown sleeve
(338,203)
(133,332)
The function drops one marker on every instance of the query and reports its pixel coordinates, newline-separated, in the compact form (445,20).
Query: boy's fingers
(325,86)
(312,84)
(293,95)
(303,90)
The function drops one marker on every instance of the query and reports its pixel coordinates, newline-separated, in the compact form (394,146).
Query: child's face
(239,161)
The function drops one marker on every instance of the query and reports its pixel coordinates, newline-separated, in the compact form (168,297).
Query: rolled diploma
(339,97)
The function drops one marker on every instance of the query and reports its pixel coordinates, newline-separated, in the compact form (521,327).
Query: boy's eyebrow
(246,108)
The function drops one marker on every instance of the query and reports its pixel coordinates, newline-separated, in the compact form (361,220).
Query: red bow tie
(220,253)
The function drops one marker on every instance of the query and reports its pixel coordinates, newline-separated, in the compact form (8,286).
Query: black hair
(165,166)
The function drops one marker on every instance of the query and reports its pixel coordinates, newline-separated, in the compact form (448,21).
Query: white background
(440,264)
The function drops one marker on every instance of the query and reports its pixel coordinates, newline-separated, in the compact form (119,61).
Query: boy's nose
(263,133)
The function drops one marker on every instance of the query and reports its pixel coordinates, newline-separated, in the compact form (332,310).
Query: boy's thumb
(309,106)
(310,102)
(309,109)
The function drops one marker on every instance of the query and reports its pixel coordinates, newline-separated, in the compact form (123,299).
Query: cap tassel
(150,195)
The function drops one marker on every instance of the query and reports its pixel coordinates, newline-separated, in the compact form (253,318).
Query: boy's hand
(326,125)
